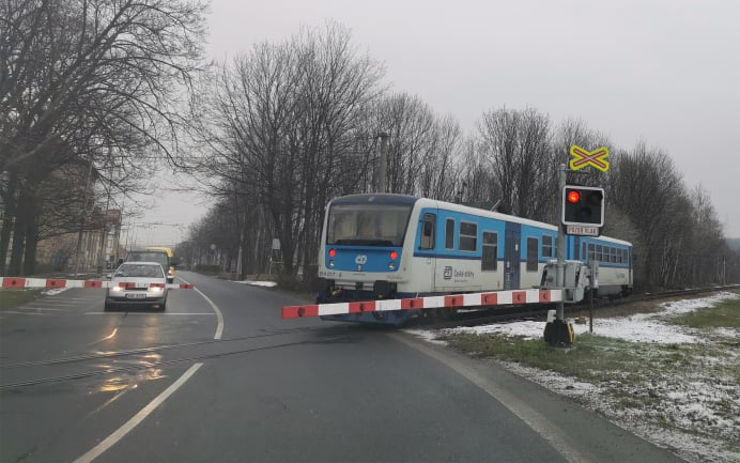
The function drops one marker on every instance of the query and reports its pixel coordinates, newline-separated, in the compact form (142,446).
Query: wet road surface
(80,384)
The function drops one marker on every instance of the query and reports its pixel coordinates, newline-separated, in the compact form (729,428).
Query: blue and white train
(386,246)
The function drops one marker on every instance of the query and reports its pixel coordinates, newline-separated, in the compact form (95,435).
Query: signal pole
(560,273)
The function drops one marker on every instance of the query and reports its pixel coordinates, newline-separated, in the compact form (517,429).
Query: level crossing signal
(583,205)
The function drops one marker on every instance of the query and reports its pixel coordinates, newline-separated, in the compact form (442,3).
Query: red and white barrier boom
(529,296)
(12,282)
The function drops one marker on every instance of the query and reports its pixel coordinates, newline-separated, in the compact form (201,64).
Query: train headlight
(391,265)
(331,264)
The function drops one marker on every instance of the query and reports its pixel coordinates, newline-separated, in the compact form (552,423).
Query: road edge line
(219,315)
(134,421)
(538,423)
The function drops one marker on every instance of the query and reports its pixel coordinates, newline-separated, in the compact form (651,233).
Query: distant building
(100,245)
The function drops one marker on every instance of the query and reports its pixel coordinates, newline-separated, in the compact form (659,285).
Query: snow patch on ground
(644,327)
(690,305)
(697,403)
(427,335)
(53,291)
(264,284)
(726,333)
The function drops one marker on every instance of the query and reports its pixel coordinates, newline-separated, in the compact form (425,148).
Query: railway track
(486,316)
(245,344)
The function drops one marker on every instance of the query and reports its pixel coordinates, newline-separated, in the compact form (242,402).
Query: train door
(427,242)
(576,248)
(512,255)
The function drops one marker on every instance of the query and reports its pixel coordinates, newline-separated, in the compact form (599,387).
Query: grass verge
(591,359)
(688,390)
(726,314)
(10,298)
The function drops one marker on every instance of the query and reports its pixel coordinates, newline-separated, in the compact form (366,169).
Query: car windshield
(140,271)
(367,224)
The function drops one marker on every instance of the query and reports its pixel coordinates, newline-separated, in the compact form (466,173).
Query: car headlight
(156,289)
(116,289)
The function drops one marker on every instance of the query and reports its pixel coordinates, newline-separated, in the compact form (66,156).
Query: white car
(137,283)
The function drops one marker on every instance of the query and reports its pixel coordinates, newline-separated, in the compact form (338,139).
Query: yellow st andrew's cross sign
(583,158)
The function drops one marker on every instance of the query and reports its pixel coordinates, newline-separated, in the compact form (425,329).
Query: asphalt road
(220,377)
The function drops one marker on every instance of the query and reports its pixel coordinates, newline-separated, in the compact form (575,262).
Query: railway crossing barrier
(450,301)
(51,283)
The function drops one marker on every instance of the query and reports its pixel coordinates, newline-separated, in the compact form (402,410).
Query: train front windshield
(367,224)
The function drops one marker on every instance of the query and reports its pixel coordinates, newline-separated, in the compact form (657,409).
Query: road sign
(582,230)
(583,158)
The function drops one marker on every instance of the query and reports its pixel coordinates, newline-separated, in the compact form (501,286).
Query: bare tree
(87,79)
(517,145)
(283,123)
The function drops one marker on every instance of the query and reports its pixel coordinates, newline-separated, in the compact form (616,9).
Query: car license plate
(135,296)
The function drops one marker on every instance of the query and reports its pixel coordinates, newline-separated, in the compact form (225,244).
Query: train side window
(468,236)
(427,231)
(591,252)
(597,253)
(532,248)
(614,255)
(626,256)
(450,234)
(489,261)
(583,251)
(546,246)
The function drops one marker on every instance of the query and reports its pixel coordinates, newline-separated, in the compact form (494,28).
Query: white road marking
(48,300)
(111,440)
(118,434)
(43,309)
(17,312)
(210,314)
(220,327)
(514,404)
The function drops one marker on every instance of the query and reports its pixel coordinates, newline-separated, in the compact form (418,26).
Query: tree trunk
(32,239)
(19,236)
(8,221)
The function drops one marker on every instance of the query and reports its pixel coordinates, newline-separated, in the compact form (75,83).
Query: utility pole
(382,168)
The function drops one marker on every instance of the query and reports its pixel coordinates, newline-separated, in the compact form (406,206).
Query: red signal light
(394,255)
(332,252)
(574,196)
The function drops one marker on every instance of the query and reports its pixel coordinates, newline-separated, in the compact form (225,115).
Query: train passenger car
(384,246)
(614,259)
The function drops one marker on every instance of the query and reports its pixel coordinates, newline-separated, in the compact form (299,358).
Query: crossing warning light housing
(583,205)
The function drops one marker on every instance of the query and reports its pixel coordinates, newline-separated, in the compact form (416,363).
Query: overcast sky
(666,72)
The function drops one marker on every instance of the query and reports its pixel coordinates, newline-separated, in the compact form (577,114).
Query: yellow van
(164,256)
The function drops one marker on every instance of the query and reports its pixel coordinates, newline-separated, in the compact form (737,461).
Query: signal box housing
(583,205)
